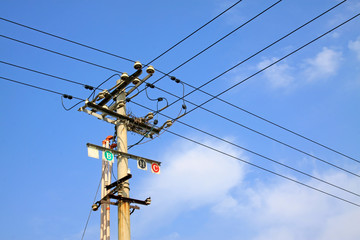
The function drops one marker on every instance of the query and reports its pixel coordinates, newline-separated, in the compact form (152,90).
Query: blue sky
(48,181)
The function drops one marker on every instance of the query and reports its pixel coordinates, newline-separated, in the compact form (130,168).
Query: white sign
(141,164)
(93,152)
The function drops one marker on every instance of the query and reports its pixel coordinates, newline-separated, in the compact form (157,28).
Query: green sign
(109,155)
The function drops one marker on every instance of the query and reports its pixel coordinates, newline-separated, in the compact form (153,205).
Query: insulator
(150,70)
(137,65)
(168,123)
(124,76)
(136,81)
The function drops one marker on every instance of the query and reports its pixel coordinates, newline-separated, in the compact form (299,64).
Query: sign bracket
(128,155)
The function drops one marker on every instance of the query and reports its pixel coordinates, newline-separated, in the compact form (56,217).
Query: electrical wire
(97,65)
(114,55)
(61,54)
(330,148)
(265,169)
(257,154)
(253,114)
(277,61)
(98,87)
(219,152)
(102,51)
(216,42)
(68,109)
(65,39)
(40,88)
(188,36)
(257,53)
(217,115)
(261,70)
(97,191)
(197,106)
(45,74)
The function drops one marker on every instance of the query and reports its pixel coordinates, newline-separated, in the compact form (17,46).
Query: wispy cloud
(193,177)
(284,210)
(197,178)
(278,75)
(355,46)
(325,64)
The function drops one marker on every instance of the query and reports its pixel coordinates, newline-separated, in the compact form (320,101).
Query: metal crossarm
(105,111)
(131,200)
(128,155)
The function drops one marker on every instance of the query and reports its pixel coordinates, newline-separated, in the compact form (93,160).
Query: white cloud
(284,210)
(323,65)
(282,75)
(278,75)
(192,177)
(195,179)
(355,46)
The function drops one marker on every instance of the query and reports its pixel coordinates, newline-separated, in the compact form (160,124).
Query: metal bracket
(106,111)
(118,182)
(131,200)
(128,155)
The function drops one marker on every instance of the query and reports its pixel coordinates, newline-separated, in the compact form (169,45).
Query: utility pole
(122,170)
(116,114)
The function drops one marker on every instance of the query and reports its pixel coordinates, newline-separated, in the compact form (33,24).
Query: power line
(253,114)
(197,106)
(40,88)
(58,53)
(263,69)
(265,169)
(51,91)
(65,39)
(199,88)
(49,75)
(213,44)
(255,153)
(115,55)
(188,112)
(288,178)
(275,62)
(87,221)
(188,36)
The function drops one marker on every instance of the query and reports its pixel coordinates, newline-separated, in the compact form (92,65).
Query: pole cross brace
(118,182)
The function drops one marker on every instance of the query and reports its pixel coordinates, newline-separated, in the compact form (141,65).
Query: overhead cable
(263,69)
(65,39)
(58,53)
(188,36)
(277,61)
(265,169)
(49,75)
(255,115)
(216,42)
(254,165)
(253,152)
(41,88)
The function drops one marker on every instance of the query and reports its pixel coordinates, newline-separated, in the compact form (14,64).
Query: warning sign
(141,164)
(155,168)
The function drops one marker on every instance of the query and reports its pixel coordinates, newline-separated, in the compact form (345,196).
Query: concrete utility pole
(122,171)
(145,126)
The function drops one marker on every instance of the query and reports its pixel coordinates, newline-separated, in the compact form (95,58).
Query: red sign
(155,168)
